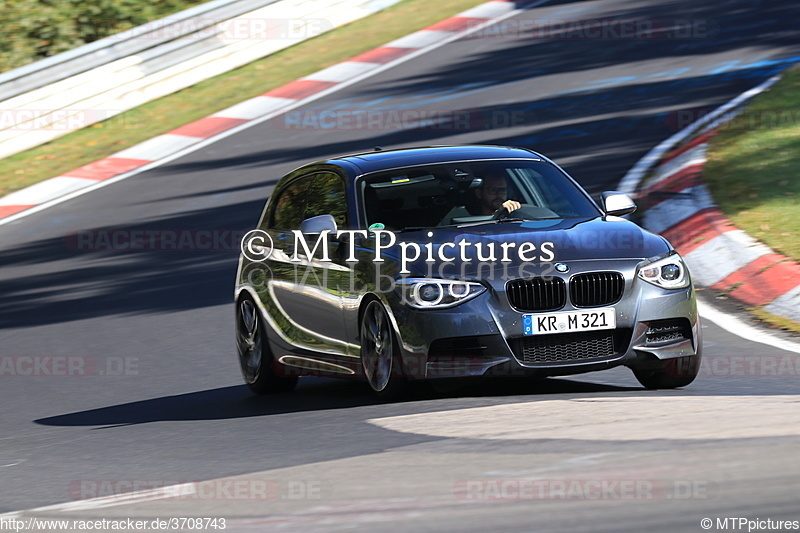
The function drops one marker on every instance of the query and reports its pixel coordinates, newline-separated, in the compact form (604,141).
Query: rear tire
(255,358)
(669,373)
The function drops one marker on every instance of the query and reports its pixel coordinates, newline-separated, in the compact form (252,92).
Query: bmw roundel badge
(561,267)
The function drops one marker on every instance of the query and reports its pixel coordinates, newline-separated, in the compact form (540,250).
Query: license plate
(542,324)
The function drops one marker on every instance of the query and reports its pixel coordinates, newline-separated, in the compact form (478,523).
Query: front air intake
(668,331)
(567,347)
(596,289)
(537,294)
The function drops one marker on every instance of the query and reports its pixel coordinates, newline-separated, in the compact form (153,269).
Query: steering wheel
(526,211)
(503,212)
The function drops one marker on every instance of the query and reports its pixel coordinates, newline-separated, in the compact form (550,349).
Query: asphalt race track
(146,387)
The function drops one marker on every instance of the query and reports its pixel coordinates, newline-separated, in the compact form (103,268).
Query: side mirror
(319,224)
(618,204)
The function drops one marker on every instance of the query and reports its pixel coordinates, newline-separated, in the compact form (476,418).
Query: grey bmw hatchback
(446,262)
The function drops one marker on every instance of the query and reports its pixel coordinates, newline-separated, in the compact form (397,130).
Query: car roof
(389,159)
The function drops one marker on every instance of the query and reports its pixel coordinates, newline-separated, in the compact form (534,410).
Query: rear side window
(317,194)
(291,204)
(327,197)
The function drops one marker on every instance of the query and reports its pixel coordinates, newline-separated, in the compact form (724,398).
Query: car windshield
(453,194)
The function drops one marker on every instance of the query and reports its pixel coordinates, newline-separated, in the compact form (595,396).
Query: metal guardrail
(92,55)
(64,93)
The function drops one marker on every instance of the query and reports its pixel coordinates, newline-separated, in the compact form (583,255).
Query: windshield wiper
(509,219)
(529,219)
(414,228)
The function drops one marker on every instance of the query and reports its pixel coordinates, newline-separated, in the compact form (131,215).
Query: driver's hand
(511,205)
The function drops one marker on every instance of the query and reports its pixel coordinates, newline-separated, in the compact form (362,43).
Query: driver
(493,194)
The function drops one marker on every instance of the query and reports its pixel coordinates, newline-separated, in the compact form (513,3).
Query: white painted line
(668,213)
(723,255)
(45,191)
(419,39)
(254,107)
(157,147)
(298,103)
(787,305)
(631,180)
(342,71)
(488,10)
(734,325)
(101,502)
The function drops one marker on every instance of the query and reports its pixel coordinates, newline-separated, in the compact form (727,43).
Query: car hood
(555,241)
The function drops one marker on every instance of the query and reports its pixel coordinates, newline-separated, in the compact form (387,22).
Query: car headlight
(425,293)
(669,272)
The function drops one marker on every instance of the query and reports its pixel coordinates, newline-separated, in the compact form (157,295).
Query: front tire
(255,358)
(378,353)
(669,373)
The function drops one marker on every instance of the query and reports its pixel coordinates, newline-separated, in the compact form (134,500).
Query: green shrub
(35,29)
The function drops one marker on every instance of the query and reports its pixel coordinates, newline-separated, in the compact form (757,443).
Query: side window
(291,205)
(327,197)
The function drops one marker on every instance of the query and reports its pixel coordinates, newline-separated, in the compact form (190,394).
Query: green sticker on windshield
(376,226)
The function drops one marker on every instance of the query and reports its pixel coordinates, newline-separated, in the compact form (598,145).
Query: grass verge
(754,164)
(752,169)
(160,116)
(776,321)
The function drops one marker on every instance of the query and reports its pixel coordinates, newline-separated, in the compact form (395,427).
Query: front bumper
(484,336)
